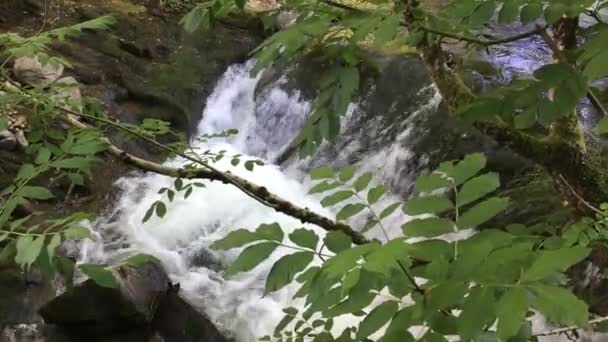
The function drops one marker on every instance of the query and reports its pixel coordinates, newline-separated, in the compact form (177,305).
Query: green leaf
(531,12)
(478,187)
(511,311)
(285,269)
(140,259)
(337,241)
(99,274)
(347,173)
(161,209)
(363,181)
(76,178)
(482,212)
(36,192)
(304,238)
(251,257)
(428,227)
(336,198)
(596,67)
(76,232)
(465,169)
(52,245)
(445,294)
(74,163)
(431,182)
(386,212)
(375,194)
(526,119)
(323,187)
(350,280)
(560,306)
(427,205)
(28,250)
(376,319)
(240,3)
(602,127)
(234,239)
(509,11)
(350,210)
(43,155)
(483,13)
(271,231)
(553,261)
(321,173)
(26,171)
(477,310)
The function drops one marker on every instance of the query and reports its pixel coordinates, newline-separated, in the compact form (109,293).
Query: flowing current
(267,121)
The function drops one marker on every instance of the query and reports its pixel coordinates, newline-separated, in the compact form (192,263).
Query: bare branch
(259,193)
(482,42)
(593,322)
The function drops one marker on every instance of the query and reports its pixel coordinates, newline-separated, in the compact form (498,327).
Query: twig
(580,198)
(481,42)
(259,193)
(569,329)
(44,18)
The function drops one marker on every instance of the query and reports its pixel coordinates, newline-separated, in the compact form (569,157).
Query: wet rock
(67,90)
(146,307)
(178,321)
(30,71)
(92,309)
(8,142)
(34,6)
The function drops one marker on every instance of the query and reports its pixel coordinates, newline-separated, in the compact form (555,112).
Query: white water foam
(182,238)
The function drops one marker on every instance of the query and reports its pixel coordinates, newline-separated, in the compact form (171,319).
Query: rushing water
(267,123)
(181,239)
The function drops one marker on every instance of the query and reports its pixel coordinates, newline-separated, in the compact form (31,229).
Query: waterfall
(266,123)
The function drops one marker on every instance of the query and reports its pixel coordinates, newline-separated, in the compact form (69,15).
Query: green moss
(533,199)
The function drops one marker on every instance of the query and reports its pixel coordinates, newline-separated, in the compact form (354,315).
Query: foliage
(445,272)
(55,152)
(436,278)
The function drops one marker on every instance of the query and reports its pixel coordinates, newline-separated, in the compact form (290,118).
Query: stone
(29,70)
(8,142)
(67,91)
(178,321)
(89,308)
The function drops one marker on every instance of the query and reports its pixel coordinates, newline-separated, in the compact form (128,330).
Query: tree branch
(484,43)
(593,322)
(259,193)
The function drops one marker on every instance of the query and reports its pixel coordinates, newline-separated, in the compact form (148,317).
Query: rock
(30,71)
(178,321)
(92,309)
(285,19)
(34,6)
(67,91)
(8,142)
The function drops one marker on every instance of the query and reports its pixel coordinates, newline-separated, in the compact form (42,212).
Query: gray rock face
(146,307)
(30,71)
(8,142)
(92,309)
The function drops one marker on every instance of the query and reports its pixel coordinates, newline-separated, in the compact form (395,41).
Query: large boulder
(177,321)
(93,309)
(67,93)
(146,307)
(29,70)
